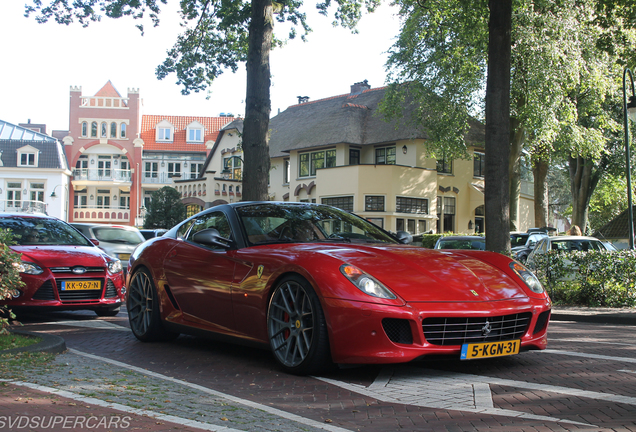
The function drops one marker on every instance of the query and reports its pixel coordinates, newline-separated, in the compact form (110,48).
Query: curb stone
(49,344)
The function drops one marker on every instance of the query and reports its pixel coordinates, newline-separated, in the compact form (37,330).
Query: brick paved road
(586,380)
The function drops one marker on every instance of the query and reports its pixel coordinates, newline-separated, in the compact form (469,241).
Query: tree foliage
(567,58)
(218,35)
(10,279)
(165,209)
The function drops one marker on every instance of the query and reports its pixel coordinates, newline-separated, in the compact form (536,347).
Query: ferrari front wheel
(296,328)
(143,309)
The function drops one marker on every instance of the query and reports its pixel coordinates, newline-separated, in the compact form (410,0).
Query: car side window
(216,220)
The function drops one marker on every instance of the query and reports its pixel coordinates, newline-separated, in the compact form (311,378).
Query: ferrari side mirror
(211,237)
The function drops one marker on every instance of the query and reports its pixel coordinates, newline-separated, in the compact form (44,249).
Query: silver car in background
(118,241)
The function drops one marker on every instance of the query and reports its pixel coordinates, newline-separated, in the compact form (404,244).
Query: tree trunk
(540,172)
(257,103)
(517,136)
(583,181)
(497,194)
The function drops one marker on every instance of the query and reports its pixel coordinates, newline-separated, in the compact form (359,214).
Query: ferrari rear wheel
(143,309)
(297,329)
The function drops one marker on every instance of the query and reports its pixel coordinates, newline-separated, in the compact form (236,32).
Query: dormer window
(165,131)
(194,132)
(28,156)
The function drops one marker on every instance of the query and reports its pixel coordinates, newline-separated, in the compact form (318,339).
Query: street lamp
(629,113)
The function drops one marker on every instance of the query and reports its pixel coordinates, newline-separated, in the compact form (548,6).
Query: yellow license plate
(81,285)
(490,349)
(124,257)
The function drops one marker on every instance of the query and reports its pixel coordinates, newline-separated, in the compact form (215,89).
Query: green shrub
(429,240)
(10,279)
(591,278)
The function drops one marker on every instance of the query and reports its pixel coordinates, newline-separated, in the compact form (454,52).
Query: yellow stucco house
(339,151)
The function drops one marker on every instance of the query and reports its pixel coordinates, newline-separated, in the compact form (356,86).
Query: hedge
(593,278)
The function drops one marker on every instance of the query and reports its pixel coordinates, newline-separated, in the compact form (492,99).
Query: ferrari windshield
(300,223)
(42,231)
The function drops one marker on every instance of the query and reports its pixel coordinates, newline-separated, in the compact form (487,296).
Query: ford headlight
(29,268)
(365,282)
(528,277)
(114,266)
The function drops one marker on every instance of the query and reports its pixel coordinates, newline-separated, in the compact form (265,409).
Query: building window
(103,198)
(164,134)
(84,129)
(286,171)
(123,130)
(174,169)
(192,209)
(445,214)
(385,156)
(103,130)
(410,226)
(374,203)
(310,162)
(444,166)
(233,167)
(479,163)
(124,200)
(80,199)
(36,191)
(104,165)
(94,130)
(195,170)
(344,203)
(14,194)
(377,221)
(354,157)
(421,226)
(411,205)
(399,224)
(28,159)
(151,169)
(113,130)
(195,135)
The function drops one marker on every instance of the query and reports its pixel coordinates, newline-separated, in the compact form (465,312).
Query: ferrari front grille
(458,331)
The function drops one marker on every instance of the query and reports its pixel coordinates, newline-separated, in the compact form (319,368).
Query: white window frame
(195,132)
(28,151)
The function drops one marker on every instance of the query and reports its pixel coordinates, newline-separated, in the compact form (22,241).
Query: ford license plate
(81,285)
(490,349)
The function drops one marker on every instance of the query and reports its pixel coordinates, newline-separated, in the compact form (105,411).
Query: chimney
(358,88)
(303,99)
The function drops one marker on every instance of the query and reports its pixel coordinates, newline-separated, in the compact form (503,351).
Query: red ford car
(317,285)
(62,270)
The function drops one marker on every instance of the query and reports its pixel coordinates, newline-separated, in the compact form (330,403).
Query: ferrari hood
(62,256)
(421,275)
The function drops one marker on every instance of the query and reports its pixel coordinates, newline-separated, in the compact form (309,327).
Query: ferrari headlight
(528,277)
(114,266)
(365,282)
(29,268)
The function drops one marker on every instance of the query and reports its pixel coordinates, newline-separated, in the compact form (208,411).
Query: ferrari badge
(259,272)
(474,293)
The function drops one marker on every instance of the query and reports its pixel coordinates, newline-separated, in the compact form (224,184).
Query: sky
(40,62)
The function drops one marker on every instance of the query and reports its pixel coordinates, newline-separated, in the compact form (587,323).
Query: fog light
(15,294)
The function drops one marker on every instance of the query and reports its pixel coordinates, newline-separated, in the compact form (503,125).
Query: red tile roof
(148,134)
(108,90)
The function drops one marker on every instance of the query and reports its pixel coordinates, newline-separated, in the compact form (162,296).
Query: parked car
(461,242)
(318,285)
(521,250)
(61,269)
(152,233)
(118,241)
(567,244)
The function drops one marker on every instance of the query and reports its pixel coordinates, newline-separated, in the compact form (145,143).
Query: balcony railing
(101,214)
(101,174)
(22,206)
(154,177)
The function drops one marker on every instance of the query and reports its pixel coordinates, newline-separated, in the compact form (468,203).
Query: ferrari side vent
(398,330)
(45,292)
(111,291)
(542,322)
(458,331)
(171,297)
